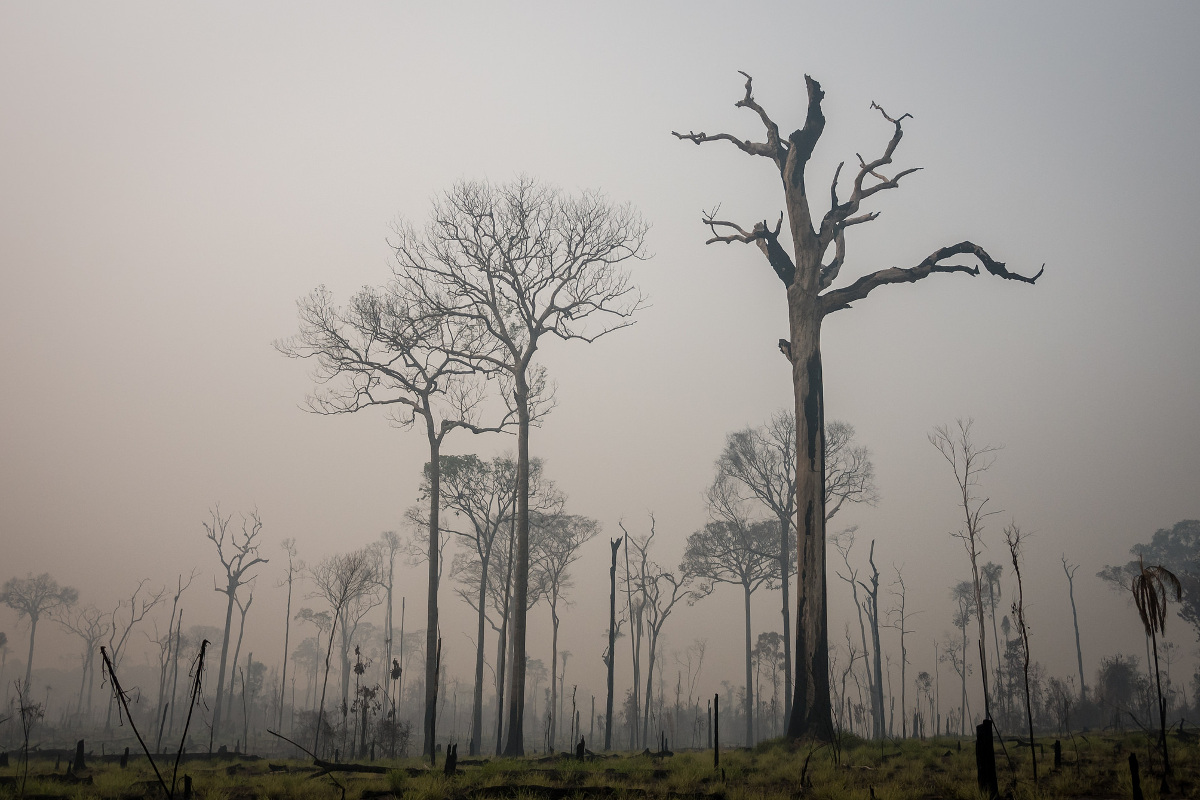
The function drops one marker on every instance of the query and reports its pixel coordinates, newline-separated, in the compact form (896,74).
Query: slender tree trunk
(477,699)
(811,710)
(651,648)
(635,647)
(612,641)
(431,623)
(749,675)
(215,731)
(237,651)
(324,685)
(554,671)
(785,569)
(502,645)
(516,711)
(287,631)
(1075,619)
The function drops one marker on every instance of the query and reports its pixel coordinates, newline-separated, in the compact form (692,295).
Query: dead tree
(294,567)
(969,460)
(238,556)
(1014,538)
(91,625)
(340,580)
(1069,569)
(391,348)
(563,535)
(524,260)
(610,655)
(808,279)
(661,590)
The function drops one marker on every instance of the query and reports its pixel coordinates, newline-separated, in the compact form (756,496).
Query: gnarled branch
(842,298)
(765,237)
(774,148)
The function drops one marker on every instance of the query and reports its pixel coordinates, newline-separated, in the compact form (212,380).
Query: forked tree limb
(842,298)
(765,237)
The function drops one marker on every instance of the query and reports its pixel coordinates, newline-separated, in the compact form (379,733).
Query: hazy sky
(174,176)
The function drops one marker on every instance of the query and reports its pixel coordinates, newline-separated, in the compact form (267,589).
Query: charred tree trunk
(805,278)
(615,544)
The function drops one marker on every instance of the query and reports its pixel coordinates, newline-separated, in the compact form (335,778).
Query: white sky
(173,177)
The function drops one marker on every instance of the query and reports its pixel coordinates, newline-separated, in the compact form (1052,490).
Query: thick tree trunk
(515,745)
(33,621)
(431,623)
(811,712)
(215,732)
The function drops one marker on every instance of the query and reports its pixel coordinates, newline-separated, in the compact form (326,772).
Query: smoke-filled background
(173,178)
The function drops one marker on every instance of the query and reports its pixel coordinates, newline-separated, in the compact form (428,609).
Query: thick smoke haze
(174,177)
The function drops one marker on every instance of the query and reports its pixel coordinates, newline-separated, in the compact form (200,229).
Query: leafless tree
(243,610)
(844,543)
(523,261)
(90,624)
(1069,570)
(238,556)
(167,647)
(388,348)
(808,279)
(969,460)
(1014,538)
(762,463)
(294,567)
(340,581)
(32,597)
(901,619)
(558,548)
(732,549)
(661,590)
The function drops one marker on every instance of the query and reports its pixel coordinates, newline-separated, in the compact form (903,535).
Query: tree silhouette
(1152,587)
(808,279)
(32,597)
(524,261)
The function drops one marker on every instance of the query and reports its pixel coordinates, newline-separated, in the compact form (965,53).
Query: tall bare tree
(388,348)
(969,460)
(294,567)
(661,590)
(340,581)
(731,549)
(1069,569)
(90,624)
(524,261)
(558,548)
(238,556)
(808,277)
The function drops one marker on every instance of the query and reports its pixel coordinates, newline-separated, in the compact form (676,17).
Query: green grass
(906,770)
